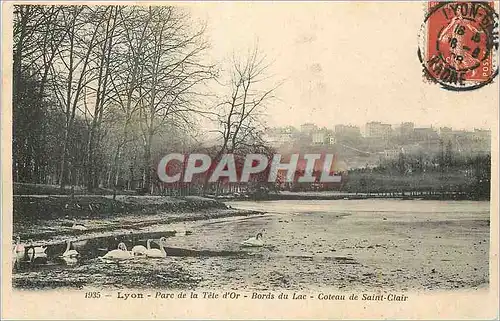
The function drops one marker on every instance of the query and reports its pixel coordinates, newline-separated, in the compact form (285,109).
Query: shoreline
(138,212)
(57,235)
(318,248)
(361,196)
(97,215)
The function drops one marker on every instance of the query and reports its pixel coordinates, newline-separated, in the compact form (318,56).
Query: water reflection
(69,261)
(79,252)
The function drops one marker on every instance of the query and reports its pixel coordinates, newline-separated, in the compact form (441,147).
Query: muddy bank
(39,207)
(145,274)
(308,245)
(135,220)
(46,217)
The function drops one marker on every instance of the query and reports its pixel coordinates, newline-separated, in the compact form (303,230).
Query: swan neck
(148,243)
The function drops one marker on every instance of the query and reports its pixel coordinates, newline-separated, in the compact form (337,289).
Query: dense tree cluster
(100,93)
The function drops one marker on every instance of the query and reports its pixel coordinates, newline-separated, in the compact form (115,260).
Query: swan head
(68,245)
(122,246)
(259,236)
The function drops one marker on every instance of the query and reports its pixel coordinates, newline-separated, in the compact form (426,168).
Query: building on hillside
(323,136)
(378,130)
(318,137)
(347,131)
(406,129)
(445,132)
(308,128)
(425,133)
(280,136)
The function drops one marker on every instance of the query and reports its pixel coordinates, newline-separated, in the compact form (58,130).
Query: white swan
(159,253)
(37,253)
(19,249)
(18,252)
(70,261)
(68,252)
(254,241)
(139,250)
(79,227)
(119,254)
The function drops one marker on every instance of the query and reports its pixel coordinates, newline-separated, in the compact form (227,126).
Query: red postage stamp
(458,44)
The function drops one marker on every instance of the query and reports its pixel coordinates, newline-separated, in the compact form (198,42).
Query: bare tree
(128,78)
(37,35)
(102,95)
(240,112)
(114,80)
(171,77)
(72,71)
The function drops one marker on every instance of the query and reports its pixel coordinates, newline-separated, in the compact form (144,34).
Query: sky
(344,63)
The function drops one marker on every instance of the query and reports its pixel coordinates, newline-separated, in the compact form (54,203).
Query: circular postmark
(458,44)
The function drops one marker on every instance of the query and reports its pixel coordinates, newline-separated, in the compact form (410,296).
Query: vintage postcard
(250,160)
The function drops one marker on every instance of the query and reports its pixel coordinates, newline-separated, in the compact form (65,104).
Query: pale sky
(344,63)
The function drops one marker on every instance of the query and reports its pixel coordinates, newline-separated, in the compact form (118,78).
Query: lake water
(388,243)
(340,244)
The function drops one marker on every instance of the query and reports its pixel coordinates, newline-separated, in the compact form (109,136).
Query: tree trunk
(147,162)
